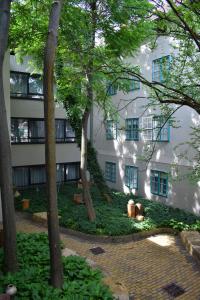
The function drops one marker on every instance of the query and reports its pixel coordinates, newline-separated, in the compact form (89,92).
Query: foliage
(80,281)
(111,217)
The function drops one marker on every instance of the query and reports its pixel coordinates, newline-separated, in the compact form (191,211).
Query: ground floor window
(131,177)
(110,171)
(159,183)
(33,175)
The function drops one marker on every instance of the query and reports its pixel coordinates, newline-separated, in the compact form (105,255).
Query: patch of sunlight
(162,240)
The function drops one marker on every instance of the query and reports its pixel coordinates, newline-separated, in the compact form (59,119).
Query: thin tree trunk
(50,149)
(86,191)
(9,227)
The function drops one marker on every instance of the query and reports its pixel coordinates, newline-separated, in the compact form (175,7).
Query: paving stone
(142,267)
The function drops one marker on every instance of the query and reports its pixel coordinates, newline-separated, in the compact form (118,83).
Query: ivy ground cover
(111,217)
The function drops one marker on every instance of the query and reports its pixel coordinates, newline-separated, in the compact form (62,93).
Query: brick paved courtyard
(143,267)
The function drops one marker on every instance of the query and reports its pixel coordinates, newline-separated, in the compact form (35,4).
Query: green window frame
(110,171)
(111,130)
(134,84)
(161,68)
(160,129)
(111,89)
(159,183)
(131,177)
(132,129)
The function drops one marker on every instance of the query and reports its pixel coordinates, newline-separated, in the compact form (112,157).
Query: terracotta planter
(131,209)
(140,218)
(139,210)
(78,198)
(25,203)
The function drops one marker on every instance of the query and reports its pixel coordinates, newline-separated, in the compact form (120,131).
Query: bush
(111,218)
(81,282)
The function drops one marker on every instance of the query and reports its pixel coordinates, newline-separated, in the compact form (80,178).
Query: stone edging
(191,241)
(40,218)
(116,239)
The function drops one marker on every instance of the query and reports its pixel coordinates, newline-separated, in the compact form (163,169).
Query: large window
(34,175)
(112,89)
(110,171)
(111,130)
(159,183)
(33,131)
(132,129)
(161,68)
(25,85)
(155,129)
(134,84)
(131,177)
(161,129)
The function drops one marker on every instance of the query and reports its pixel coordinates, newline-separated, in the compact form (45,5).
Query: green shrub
(111,218)
(80,280)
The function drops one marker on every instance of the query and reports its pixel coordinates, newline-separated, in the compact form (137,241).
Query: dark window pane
(38,175)
(36,131)
(70,134)
(19,131)
(35,85)
(18,84)
(60,130)
(20,177)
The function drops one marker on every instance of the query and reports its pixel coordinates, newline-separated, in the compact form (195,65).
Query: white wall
(182,194)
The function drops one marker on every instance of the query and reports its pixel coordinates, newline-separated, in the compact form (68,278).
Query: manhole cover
(97,250)
(174,290)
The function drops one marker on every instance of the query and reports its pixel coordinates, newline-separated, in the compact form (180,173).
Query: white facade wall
(182,194)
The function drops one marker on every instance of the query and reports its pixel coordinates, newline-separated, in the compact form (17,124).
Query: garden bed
(112,217)
(80,280)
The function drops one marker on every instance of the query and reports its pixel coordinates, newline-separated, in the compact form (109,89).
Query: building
(24,100)
(121,146)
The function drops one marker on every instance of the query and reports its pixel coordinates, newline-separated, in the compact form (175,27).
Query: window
(111,130)
(69,132)
(112,89)
(131,177)
(20,176)
(37,175)
(134,84)
(35,85)
(132,129)
(110,171)
(159,183)
(25,85)
(160,68)
(36,131)
(19,131)
(155,129)
(72,171)
(18,84)
(64,131)
(161,130)
(33,175)
(33,131)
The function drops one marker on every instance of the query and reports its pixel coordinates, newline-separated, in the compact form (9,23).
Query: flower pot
(78,198)
(139,210)
(25,203)
(131,209)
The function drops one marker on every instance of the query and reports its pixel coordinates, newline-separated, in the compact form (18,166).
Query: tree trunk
(50,148)
(9,227)
(86,191)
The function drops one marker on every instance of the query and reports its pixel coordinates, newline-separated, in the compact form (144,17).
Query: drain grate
(174,290)
(97,250)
